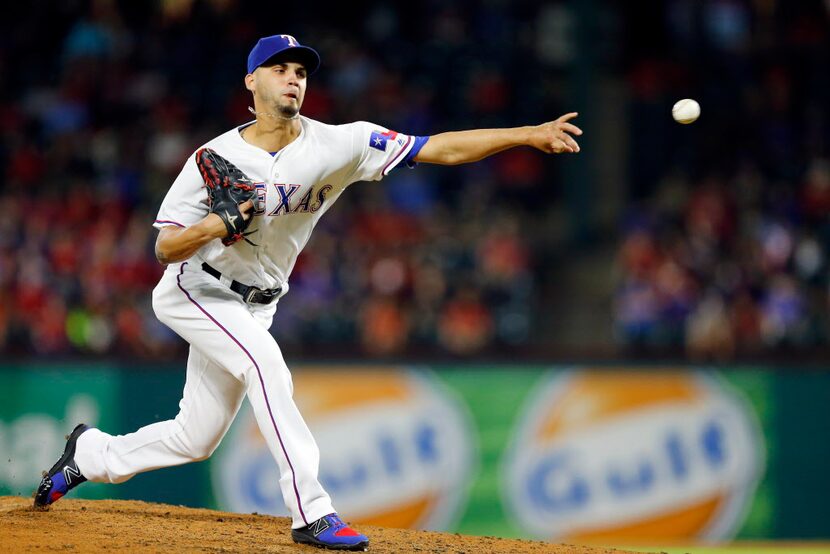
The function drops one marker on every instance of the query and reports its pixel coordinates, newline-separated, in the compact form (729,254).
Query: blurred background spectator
(706,241)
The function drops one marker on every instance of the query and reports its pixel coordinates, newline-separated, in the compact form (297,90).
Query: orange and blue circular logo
(632,456)
(396,449)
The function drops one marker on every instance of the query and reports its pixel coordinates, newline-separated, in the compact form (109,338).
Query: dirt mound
(131,526)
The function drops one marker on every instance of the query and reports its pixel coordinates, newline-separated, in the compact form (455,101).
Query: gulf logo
(633,456)
(396,448)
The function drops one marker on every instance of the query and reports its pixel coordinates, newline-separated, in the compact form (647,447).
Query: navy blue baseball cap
(268,47)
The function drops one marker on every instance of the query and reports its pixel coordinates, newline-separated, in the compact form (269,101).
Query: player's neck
(272,136)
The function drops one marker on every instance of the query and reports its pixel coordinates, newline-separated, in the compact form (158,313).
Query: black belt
(248,293)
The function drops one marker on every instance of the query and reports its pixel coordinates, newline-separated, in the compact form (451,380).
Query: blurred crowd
(728,266)
(724,248)
(101,101)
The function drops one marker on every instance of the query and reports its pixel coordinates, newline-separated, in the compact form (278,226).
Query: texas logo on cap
(287,47)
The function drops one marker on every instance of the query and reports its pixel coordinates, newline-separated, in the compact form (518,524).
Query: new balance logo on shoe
(71,474)
(319,526)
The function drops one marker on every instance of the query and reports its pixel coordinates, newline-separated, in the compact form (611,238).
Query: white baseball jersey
(295,187)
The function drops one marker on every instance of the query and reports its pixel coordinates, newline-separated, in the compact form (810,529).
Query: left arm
(461,147)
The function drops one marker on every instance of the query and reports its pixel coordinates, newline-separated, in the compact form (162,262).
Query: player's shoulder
(227,139)
(351,128)
(319,128)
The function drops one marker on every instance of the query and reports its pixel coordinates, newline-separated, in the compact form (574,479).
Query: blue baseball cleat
(330,532)
(64,475)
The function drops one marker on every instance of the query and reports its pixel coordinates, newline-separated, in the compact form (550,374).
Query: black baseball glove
(227,187)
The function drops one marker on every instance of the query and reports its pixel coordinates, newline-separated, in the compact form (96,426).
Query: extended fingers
(567,117)
(571,128)
(563,142)
(559,146)
(567,139)
(561,129)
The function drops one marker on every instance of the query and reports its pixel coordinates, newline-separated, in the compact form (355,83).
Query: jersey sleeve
(379,150)
(186,202)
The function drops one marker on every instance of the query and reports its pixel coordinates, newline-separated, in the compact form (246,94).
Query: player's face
(281,87)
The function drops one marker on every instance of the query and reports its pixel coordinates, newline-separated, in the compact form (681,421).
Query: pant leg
(218,324)
(210,401)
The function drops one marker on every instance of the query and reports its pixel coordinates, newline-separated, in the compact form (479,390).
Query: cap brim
(300,54)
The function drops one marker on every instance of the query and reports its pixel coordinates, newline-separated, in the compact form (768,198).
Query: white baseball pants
(232,354)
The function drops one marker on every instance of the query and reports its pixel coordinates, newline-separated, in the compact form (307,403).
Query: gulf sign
(633,456)
(396,449)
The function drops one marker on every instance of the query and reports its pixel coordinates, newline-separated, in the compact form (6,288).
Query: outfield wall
(560,453)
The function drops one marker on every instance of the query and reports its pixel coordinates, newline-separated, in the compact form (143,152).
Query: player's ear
(249,82)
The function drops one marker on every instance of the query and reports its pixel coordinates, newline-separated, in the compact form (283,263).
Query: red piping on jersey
(168,221)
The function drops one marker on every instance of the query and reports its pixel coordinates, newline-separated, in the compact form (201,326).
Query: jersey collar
(248,145)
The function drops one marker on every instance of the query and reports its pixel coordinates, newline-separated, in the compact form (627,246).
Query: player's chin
(289,109)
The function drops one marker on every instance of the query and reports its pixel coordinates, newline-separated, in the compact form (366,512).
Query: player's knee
(202,450)
(276,378)
(200,455)
(195,444)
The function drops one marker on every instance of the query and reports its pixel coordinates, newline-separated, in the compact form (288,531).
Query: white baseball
(685,111)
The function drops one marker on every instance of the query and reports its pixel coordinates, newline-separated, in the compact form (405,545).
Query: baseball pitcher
(230,230)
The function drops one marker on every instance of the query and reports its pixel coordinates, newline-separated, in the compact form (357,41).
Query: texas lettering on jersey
(311,175)
(289,202)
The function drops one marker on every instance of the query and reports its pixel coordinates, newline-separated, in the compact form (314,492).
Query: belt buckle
(271,294)
(268,295)
(249,296)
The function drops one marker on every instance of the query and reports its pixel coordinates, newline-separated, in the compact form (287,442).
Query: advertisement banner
(397,449)
(526,414)
(619,457)
(38,407)
(617,454)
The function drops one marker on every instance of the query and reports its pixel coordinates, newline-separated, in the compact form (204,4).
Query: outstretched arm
(459,147)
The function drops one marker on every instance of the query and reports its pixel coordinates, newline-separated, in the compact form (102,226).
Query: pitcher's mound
(131,526)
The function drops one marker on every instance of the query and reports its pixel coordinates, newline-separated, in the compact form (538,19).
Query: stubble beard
(280,108)
(285,108)
(288,111)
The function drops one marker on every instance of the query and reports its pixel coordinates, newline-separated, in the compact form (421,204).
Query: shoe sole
(41,494)
(359,547)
